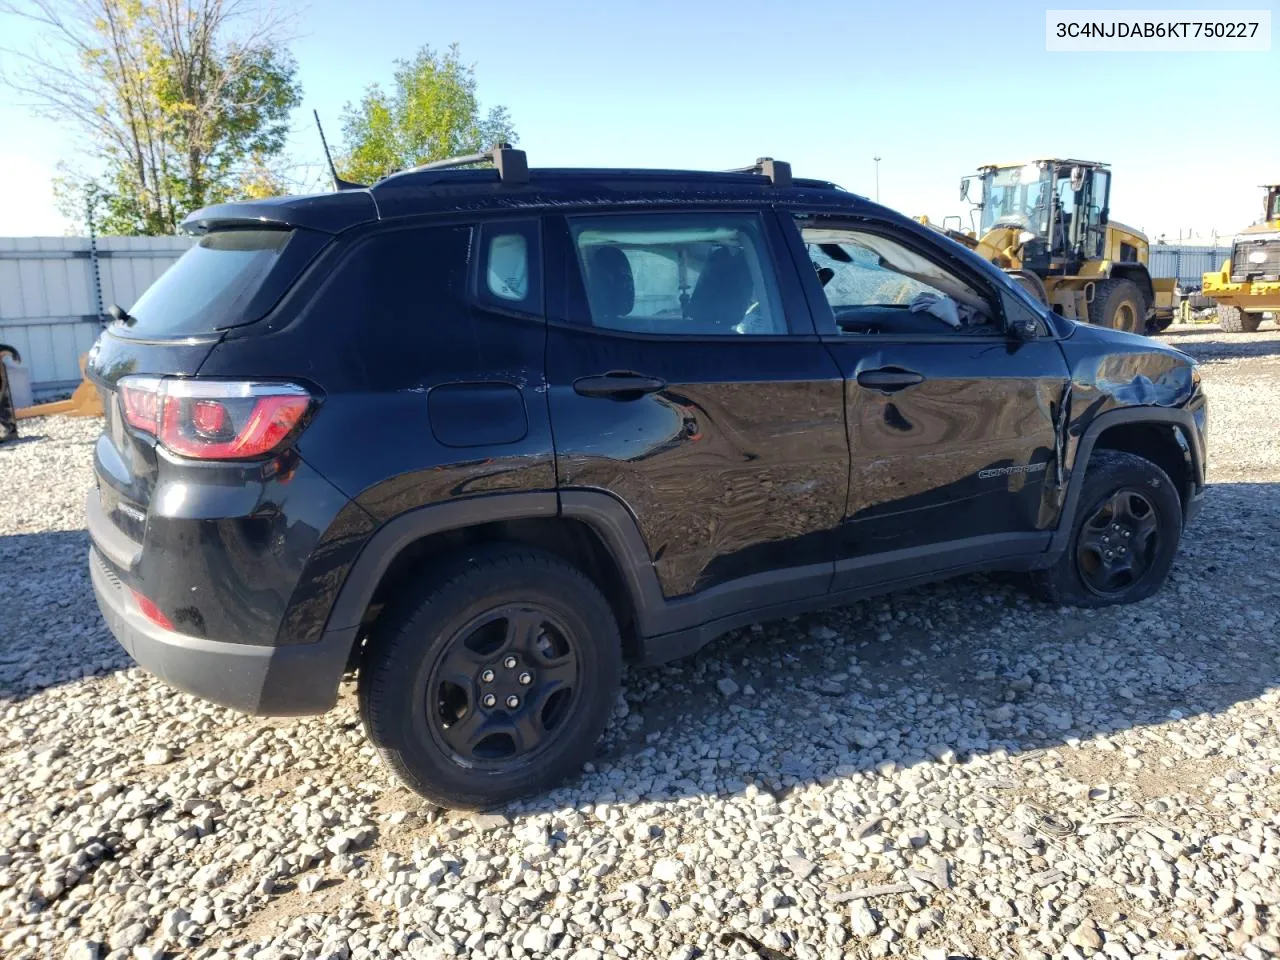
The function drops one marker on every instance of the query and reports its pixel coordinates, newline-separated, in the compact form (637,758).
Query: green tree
(431,113)
(181,103)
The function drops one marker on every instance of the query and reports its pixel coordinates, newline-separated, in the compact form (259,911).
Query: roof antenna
(338,182)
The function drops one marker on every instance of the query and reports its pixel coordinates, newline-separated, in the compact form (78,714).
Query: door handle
(618,385)
(889,379)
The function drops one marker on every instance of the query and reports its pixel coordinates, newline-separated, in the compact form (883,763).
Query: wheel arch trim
(602,512)
(1179,419)
(389,540)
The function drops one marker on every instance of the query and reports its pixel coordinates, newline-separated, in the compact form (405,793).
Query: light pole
(877,159)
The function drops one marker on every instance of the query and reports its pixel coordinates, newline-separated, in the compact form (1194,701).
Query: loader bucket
(84,402)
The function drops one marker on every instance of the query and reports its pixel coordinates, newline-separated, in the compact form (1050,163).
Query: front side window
(875,284)
(684,274)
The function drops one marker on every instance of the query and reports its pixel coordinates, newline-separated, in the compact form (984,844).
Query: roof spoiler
(778,171)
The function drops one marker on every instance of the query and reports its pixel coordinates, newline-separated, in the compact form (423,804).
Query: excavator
(1249,282)
(1047,223)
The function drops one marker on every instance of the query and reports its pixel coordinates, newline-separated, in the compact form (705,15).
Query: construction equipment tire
(1120,305)
(1234,320)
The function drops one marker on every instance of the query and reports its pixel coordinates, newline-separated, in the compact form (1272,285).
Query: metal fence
(1189,264)
(54,292)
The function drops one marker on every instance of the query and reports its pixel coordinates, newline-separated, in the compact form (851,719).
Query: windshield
(205,288)
(1273,213)
(1016,197)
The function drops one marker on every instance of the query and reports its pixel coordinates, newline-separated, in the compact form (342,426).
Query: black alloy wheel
(1118,543)
(502,686)
(494,679)
(1123,535)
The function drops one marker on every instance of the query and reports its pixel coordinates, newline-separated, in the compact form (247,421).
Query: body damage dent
(1061,425)
(1114,371)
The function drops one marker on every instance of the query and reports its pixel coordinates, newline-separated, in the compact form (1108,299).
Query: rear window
(211,286)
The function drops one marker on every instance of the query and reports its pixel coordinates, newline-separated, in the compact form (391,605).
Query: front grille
(1243,269)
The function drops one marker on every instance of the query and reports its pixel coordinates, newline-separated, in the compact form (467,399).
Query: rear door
(951,419)
(685,378)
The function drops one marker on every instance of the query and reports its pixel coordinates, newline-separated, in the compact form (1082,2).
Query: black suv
(479,433)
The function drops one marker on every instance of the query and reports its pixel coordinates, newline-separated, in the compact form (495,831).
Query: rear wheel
(1234,320)
(1124,535)
(1119,304)
(495,681)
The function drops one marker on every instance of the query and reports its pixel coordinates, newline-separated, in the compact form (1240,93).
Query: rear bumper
(267,681)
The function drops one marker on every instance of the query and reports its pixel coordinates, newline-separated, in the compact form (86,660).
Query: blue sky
(933,88)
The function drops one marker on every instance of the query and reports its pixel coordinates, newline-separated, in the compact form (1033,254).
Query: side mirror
(964,188)
(1077,179)
(1025,330)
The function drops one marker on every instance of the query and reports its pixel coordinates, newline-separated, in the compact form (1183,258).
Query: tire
(1234,320)
(1112,476)
(1120,305)
(460,626)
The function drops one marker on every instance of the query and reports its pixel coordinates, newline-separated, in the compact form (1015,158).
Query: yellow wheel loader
(1048,224)
(1249,282)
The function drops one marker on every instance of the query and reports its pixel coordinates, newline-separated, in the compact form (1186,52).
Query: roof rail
(778,171)
(512,164)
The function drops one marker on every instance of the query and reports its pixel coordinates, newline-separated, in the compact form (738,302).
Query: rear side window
(509,269)
(507,275)
(679,274)
(211,286)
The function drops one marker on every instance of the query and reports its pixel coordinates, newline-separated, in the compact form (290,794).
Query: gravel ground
(954,770)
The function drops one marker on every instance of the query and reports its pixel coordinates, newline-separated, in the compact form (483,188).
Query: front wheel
(1234,320)
(495,681)
(1124,535)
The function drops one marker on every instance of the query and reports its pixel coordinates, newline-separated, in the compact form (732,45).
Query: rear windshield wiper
(120,313)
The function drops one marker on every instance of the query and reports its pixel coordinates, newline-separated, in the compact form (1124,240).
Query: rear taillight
(214,419)
(140,398)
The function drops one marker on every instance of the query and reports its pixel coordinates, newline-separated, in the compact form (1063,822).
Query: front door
(685,378)
(952,422)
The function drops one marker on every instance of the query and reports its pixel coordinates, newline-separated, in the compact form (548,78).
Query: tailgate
(125,460)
